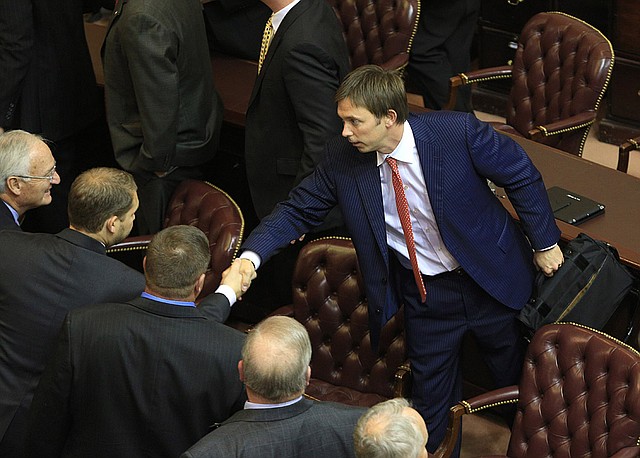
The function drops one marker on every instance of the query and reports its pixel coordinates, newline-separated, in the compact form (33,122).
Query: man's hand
(248,271)
(548,261)
(236,279)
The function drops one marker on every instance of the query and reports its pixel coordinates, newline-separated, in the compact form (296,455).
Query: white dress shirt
(433,256)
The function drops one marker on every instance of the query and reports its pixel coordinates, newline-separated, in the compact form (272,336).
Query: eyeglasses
(49,177)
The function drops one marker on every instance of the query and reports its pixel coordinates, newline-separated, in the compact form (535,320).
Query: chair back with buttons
(329,300)
(579,396)
(210,209)
(378,32)
(561,69)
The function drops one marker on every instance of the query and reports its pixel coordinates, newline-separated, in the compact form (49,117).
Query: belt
(458,271)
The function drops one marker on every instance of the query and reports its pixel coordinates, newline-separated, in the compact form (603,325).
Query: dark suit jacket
(42,277)
(47,80)
(305,429)
(139,379)
(6,219)
(162,108)
(457,154)
(291,112)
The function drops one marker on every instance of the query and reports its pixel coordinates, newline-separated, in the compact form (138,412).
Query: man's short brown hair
(97,195)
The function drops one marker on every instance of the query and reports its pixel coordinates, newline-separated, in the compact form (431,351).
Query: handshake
(239,276)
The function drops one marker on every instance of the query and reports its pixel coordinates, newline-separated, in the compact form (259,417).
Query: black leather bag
(586,289)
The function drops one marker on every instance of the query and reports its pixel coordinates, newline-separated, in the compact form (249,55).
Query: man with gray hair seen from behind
(391,429)
(277,421)
(144,377)
(27,173)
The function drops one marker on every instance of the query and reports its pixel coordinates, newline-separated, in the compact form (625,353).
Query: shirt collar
(167,301)
(278,16)
(404,150)
(253,405)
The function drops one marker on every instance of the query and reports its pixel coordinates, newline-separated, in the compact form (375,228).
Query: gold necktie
(266,40)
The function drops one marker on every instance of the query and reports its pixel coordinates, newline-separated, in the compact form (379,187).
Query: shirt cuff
(228,292)
(251,256)
(548,248)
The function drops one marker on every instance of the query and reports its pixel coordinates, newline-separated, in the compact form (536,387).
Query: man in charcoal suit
(163,112)
(145,377)
(27,175)
(43,276)
(277,421)
(456,259)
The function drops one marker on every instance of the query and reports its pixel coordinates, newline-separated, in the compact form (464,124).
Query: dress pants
(442,49)
(434,331)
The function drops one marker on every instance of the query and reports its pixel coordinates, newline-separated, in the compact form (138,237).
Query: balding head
(391,429)
(275,360)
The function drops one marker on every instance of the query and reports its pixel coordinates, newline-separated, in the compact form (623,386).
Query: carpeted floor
(483,436)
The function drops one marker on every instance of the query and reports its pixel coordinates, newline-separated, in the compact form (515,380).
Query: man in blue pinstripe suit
(476,263)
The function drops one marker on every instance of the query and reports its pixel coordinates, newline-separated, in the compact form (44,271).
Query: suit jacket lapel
(289,19)
(431,162)
(367,178)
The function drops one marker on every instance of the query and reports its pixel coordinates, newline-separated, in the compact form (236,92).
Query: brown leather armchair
(631,144)
(209,208)
(329,300)
(560,72)
(578,396)
(378,32)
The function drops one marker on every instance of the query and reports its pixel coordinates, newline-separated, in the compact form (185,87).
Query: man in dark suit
(43,276)
(48,87)
(140,378)
(163,111)
(441,49)
(277,421)
(290,117)
(455,239)
(27,174)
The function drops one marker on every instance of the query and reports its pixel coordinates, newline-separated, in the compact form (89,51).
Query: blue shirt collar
(167,301)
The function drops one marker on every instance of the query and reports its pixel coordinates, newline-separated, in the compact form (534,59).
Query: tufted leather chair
(560,72)
(378,32)
(631,144)
(329,300)
(209,208)
(579,396)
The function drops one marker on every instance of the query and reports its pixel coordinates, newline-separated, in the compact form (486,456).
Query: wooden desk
(619,192)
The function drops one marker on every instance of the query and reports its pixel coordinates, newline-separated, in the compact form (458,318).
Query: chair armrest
(403,381)
(507,395)
(578,121)
(631,144)
(475,76)
(398,61)
(131,251)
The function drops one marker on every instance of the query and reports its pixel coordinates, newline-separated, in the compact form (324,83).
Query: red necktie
(405,220)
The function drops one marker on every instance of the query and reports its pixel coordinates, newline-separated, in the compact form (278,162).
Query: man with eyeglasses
(27,174)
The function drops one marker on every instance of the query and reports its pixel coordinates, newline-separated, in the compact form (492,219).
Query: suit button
(378,310)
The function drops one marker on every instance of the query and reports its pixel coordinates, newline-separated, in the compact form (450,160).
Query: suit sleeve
(215,307)
(503,161)
(152,54)
(16,53)
(49,416)
(312,79)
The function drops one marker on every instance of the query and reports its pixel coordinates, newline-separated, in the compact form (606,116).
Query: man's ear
(308,377)
(391,118)
(13,185)
(241,370)
(199,284)
(110,224)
